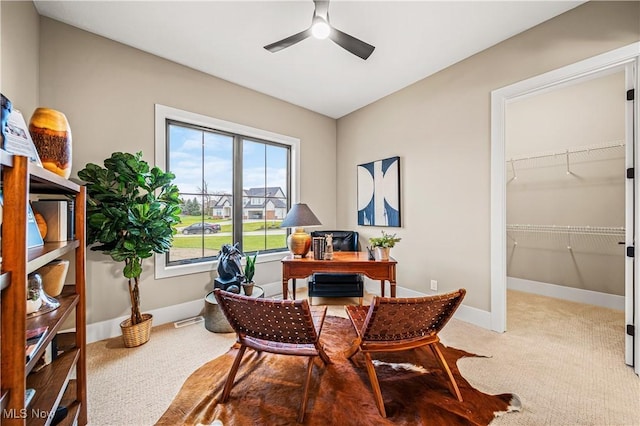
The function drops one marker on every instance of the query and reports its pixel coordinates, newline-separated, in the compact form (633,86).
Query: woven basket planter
(138,334)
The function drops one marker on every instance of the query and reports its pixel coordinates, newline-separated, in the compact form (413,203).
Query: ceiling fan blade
(289,41)
(352,44)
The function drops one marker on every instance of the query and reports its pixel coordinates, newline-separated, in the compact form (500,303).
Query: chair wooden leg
(323,355)
(355,346)
(360,300)
(232,374)
(377,394)
(453,386)
(305,395)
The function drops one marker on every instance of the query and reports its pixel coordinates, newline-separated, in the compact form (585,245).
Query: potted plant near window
(131,213)
(249,272)
(383,244)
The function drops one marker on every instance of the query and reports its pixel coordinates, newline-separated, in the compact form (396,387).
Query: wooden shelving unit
(63,381)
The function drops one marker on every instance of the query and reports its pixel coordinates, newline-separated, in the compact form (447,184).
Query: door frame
(500,98)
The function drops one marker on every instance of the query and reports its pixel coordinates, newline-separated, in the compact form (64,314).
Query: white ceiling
(413,40)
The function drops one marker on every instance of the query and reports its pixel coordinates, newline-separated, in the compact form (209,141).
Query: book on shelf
(28,396)
(57,215)
(35,337)
(50,353)
(34,239)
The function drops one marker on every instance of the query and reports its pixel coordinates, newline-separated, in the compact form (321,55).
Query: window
(236,184)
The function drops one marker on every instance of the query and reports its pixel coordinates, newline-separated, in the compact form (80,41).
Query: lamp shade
(300,215)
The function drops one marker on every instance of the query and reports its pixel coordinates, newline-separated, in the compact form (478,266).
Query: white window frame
(164,113)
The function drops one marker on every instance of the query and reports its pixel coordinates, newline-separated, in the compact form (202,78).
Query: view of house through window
(233,189)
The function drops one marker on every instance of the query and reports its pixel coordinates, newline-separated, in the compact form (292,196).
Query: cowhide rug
(269,387)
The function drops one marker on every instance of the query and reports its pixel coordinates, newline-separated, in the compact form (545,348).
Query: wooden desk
(343,261)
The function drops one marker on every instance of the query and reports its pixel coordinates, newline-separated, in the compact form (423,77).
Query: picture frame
(379,193)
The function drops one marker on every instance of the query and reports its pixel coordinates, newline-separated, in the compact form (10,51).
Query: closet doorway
(565,151)
(548,172)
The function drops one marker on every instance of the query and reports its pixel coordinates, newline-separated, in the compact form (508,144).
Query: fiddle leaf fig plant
(132,210)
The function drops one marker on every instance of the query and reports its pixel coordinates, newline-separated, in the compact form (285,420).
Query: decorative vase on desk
(51,135)
(382,253)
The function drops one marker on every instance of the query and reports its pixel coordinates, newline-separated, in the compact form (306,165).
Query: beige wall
(440,127)
(19,59)
(108,91)
(583,115)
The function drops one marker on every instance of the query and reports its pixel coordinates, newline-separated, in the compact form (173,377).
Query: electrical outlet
(434,285)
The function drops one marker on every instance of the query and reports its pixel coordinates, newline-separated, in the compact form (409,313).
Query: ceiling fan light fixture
(320,28)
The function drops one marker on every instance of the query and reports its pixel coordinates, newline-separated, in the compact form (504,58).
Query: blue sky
(185,161)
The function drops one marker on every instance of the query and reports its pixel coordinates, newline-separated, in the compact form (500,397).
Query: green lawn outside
(249,226)
(251,242)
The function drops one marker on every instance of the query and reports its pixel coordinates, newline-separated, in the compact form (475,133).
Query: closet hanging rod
(569,229)
(615,144)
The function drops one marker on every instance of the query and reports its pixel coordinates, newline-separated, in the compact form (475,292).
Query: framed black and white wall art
(379,193)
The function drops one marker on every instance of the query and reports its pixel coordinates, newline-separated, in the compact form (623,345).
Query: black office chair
(323,284)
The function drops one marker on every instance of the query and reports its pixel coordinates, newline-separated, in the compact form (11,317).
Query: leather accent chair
(399,324)
(285,327)
(323,284)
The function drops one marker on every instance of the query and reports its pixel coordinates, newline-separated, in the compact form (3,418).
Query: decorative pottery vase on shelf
(53,276)
(51,136)
(38,301)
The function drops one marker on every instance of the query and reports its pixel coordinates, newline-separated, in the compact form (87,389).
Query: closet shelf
(569,229)
(608,146)
(606,151)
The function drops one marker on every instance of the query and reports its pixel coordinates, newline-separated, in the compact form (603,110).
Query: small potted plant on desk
(383,245)
(249,272)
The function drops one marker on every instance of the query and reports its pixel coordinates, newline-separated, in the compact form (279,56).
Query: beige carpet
(564,360)
(268,388)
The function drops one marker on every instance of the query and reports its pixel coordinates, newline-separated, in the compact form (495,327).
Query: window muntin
(266,204)
(201,150)
(202,161)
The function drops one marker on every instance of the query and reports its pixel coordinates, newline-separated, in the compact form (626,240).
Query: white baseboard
(579,295)
(464,313)
(111,328)
(474,316)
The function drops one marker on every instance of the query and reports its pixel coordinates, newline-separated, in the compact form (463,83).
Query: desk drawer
(336,289)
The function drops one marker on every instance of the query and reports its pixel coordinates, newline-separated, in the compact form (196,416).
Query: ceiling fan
(320,28)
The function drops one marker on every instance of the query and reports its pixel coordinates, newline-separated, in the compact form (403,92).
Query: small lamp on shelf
(300,215)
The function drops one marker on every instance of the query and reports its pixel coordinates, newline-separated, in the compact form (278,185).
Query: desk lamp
(300,215)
